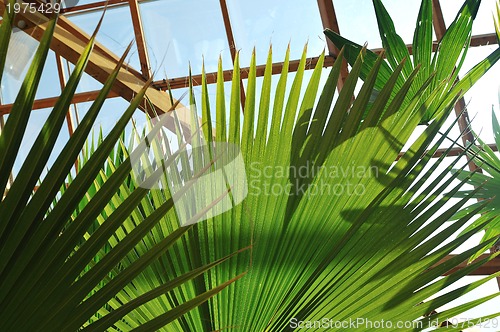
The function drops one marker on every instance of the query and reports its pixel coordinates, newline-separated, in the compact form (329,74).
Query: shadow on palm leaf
(330,140)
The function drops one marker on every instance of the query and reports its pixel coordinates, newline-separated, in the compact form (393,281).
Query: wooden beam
(70,121)
(329,20)
(478,40)
(93,6)
(489,268)
(484,40)
(232,45)
(78,33)
(50,102)
(438,19)
(101,64)
(140,39)
(182,82)
(228,28)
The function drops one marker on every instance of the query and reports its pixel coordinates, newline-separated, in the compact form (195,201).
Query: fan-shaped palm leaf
(337,229)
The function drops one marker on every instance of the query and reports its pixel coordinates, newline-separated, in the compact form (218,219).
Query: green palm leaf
(308,257)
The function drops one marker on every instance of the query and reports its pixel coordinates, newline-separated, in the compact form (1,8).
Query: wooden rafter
(490,267)
(50,102)
(181,82)
(93,6)
(62,84)
(478,40)
(438,19)
(79,34)
(228,28)
(70,121)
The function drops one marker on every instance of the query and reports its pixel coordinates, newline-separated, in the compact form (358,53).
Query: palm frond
(303,203)
(442,65)
(365,248)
